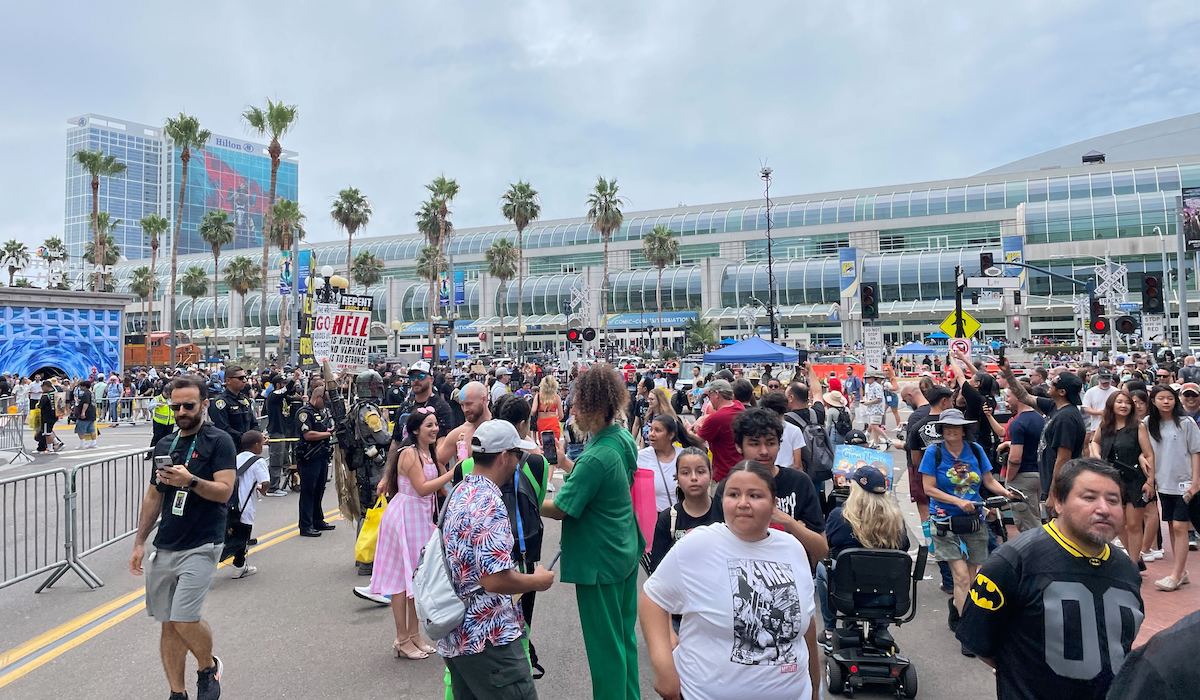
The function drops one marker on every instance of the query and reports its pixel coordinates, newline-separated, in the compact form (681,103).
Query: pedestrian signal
(1152,299)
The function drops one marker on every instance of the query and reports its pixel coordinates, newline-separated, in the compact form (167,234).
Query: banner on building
(1189,215)
(285,273)
(1013,248)
(443,286)
(350,333)
(848,270)
(307,261)
(460,287)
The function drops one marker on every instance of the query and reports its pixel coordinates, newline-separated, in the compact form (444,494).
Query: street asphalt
(296,631)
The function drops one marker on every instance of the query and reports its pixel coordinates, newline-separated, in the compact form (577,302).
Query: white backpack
(440,610)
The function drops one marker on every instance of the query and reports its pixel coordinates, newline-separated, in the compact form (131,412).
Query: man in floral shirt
(484,654)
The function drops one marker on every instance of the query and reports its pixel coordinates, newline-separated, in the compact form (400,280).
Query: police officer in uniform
(315,426)
(232,410)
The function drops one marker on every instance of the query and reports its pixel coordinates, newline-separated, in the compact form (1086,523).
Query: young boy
(756,434)
(252,475)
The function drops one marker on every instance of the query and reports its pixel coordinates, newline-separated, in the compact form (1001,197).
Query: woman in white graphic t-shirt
(745,593)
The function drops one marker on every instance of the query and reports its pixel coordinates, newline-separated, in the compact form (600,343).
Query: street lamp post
(765,174)
(1166,282)
(396,326)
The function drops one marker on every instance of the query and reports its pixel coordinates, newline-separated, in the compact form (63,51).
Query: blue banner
(1013,248)
(285,273)
(306,265)
(443,289)
(848,270)
(460,287)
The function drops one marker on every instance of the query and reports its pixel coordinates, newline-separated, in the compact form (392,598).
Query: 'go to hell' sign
(350,338)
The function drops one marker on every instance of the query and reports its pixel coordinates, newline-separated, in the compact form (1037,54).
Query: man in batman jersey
(1055,610)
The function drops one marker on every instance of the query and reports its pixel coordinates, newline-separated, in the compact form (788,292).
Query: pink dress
(403,532)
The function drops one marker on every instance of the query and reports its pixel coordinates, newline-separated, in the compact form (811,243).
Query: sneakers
(1193,542)
(953,615)
(277,493)
(179,696)
(245,571)
(208,681)
(1169,583)
(365,593)
(1152,555)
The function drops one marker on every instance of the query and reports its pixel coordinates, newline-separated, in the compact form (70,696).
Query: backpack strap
(674,518)
(237,480)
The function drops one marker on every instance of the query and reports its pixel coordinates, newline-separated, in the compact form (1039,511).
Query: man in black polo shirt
(190,495)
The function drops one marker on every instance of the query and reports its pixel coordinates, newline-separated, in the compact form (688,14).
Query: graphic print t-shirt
(745,608)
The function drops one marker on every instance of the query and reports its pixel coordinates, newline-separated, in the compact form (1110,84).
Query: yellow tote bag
(364,547)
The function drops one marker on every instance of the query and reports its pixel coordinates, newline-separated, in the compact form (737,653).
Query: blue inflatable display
(73,340)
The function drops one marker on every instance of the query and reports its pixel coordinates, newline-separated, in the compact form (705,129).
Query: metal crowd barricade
(34,524)
(12,435)
(6,401)
(105,498)
(125,410)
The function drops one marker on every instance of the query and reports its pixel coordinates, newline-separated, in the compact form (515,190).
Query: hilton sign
(222,142)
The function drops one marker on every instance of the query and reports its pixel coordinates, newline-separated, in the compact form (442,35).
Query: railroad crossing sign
(1111,283)
(950,327)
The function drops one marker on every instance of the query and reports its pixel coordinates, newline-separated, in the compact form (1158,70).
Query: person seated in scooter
(870,519)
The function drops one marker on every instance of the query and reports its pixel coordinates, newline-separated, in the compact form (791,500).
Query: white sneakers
(1152,555)
(365,593)
(245,571)
(1168,583)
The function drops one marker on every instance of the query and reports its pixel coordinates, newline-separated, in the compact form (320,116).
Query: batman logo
(986,594)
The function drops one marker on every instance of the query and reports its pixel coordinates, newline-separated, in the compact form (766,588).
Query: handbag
(440,610)
(964,524)
(368,536)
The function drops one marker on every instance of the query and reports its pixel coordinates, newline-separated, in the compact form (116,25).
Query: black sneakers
(208,681)
(179,696)
(952,616)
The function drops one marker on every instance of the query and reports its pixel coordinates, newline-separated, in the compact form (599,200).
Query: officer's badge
(221,404)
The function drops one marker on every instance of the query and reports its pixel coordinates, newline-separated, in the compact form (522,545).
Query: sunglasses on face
(240,377)
(1162,376)
(185,406)
(418,376)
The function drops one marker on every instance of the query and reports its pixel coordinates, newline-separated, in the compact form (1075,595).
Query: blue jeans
(822,585)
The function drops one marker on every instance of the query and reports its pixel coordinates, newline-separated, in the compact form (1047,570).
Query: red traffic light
(1100,325)
(574,336)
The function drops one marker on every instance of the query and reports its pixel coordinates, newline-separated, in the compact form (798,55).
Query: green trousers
(608,615)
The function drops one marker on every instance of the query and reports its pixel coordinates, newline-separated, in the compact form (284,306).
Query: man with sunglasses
(420,395)
(190,495)
(232,410)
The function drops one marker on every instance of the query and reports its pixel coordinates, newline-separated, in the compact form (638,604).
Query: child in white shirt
(252,475)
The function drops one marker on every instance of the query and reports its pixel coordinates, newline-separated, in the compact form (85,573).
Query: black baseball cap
(1071,384)
(937,392)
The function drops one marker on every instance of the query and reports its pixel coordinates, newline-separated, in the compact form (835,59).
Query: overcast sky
(679,100)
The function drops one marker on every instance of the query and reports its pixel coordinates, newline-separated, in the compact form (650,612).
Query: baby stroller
(868,590)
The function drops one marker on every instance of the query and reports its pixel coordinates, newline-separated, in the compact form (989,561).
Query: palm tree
(442,191)
(430,263)
(351,211)
(287,224)
(502,260)
(217,231)
(111,252)
(242,276)
(521,207)
(194,284)
(142,286)
(367,269)
(274,121)
(604,211)
(430,225)
(154,226)
(56,251)
(185,133)
(701,334)
(15,254)
(22,282)
(660,248)
(97,164)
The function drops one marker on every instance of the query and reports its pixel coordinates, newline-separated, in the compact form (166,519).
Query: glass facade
(126,197)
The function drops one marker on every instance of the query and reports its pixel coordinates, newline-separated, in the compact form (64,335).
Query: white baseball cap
(419,366)
(496,436)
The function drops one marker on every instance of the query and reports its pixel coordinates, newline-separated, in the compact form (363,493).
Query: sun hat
(835,398)
(496,436)
(953,416)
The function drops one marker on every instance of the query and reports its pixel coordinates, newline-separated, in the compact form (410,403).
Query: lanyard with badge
(182,494)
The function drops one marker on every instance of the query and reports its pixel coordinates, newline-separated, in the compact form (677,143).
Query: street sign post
(994,282)
(969,324)
(873,346)
(1154,328)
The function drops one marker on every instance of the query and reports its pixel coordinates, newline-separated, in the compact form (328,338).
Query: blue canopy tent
(939,335)
(728,341)
(753,350)
(915,348)
(458,355)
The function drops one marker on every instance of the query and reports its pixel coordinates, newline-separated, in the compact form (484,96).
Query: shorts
(178,581)
(1174,508)
(874,419)
(496,673)
(946,547)
(1131,487)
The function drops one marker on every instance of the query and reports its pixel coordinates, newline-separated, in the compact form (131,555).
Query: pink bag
(642,494)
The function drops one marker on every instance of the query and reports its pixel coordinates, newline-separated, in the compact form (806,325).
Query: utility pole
(1181,278)
(960,283)
(765,174)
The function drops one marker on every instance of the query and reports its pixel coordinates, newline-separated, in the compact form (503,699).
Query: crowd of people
(729,580)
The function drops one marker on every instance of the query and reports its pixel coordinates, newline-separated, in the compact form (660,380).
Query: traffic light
(1125,324)
(574,336)
(1016,297)
(868,299)
(589,334)
(1152,300)
(974,297)
(985,263)
(1096,321)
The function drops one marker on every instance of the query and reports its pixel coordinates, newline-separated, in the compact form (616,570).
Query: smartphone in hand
(549,446)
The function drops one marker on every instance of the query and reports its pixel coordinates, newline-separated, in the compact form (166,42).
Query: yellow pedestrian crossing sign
(969,324)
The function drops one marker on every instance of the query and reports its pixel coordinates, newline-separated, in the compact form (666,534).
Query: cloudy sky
(680,100)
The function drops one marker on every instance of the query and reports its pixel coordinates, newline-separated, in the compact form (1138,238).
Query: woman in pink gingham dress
(406,526)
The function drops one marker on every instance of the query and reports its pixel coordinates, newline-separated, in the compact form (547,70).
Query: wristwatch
(193,483)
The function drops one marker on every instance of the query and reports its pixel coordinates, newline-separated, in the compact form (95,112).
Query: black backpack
(842,424)
(818,452)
